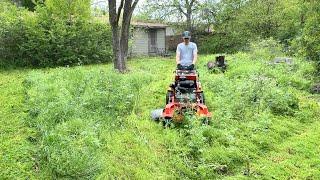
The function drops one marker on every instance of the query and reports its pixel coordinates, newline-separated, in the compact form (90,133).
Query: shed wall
(140,42)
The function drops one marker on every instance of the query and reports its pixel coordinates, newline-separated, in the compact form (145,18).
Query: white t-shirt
(187,53)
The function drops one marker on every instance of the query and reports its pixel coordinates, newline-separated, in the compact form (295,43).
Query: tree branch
(119,10)
(112,12)
(191,3)
(98,2)
(180,9)
(134,4)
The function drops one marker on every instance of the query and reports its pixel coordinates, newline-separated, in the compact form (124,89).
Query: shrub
(282,103)
(307,43)
(12,34)
(266,49)
(47,38)
(220,43)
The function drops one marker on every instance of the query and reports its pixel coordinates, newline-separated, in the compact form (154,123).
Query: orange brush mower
(183,95)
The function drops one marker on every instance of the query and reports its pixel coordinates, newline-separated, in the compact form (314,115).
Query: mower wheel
(167,123)
(206,121)
(156,114)
(168,97)
(202,99)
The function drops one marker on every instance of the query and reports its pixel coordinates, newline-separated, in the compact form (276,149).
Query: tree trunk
(188,14)
(116,48)
(118,56)
(120,36)
(117,51)
(189,23)
(125,31)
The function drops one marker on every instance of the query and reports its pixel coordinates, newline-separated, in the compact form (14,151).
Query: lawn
(16,151)
(90,122)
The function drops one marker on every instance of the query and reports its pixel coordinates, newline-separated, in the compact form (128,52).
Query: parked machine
(220,64)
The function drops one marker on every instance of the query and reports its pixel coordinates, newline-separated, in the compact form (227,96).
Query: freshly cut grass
(16,151)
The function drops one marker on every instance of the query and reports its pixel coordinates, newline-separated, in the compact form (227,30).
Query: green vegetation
(308,44)
(61,33)
(233,24)
(58,33)
(16,152)
(91,122)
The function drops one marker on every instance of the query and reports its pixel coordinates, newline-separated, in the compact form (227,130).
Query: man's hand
(179,66)
(190,67)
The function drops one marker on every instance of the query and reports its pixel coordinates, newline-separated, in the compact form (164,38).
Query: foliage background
(228,26)
(90,122)
(58,33)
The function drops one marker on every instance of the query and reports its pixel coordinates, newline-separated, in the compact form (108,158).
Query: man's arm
(195,58)
(195,54)
(178,55)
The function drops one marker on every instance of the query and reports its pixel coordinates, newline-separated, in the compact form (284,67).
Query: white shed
(148,38)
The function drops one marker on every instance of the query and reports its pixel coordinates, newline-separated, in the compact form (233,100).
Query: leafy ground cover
(90,122)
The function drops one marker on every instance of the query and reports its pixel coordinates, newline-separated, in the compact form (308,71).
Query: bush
(307,43)
(251,84)
(47,38)
(220,43)
(12,34)
(266,49)
(282,103)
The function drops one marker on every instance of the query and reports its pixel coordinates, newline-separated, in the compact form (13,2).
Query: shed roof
(149,25)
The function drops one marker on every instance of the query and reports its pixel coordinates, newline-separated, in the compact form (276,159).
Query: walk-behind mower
(183,96)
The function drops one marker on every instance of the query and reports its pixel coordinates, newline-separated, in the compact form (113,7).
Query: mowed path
(16,161)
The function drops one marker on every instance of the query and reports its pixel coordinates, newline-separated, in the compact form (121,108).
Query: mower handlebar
(189,67)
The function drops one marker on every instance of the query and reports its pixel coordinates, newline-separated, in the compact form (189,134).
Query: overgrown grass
(91,122)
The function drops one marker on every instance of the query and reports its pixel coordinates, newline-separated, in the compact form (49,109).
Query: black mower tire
(202,98)
(167,123)
(206,121)
(168,97)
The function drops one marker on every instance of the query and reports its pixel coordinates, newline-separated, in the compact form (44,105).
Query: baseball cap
(186,35)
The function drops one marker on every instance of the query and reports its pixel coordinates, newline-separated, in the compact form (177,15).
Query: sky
(103,3)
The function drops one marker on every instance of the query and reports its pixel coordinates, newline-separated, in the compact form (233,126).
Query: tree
(207,15)
(309,41)
(173,10)
(120,34)
(186,9)
(29,4)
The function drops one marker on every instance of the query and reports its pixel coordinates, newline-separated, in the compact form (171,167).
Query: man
(187,52)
